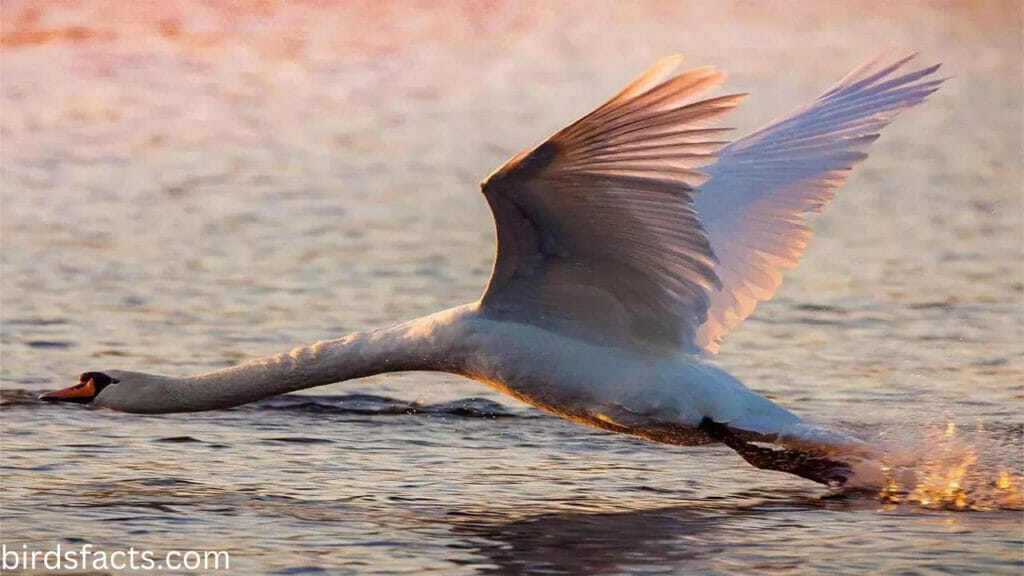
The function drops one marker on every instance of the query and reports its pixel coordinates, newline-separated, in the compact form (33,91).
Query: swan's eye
(99,379)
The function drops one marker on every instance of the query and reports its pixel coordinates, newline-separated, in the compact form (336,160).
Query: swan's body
(620,268)
(634,391)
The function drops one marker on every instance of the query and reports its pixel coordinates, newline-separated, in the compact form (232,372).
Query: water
(187,187)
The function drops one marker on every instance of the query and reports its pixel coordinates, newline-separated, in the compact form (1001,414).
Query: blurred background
(187,185)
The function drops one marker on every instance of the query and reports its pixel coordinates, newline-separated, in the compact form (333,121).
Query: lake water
(185,187)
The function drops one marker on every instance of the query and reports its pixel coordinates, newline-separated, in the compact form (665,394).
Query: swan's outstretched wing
(597,234)
(752,207)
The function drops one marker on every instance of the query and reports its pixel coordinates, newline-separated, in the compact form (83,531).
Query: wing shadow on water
(579,543)
(685,537)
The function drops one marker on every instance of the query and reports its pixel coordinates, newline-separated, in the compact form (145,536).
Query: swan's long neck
(429,343)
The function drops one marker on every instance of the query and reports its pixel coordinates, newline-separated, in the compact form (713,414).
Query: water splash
(946,468)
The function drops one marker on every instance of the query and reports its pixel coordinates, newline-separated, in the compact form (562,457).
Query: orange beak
(82,393)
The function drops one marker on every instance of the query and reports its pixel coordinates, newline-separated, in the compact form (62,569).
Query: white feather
(753,205)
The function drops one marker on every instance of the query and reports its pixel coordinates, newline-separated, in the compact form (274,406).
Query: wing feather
(762,185)
(597,233)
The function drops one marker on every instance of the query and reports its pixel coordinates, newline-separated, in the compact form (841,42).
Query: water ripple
(364,404)
(370,404)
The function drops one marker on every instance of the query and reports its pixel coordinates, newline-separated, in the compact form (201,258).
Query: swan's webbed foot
(814,466)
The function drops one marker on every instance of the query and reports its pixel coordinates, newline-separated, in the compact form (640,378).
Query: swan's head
(90,386)
(115,389)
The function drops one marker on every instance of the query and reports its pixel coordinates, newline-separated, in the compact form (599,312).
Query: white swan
(629,244)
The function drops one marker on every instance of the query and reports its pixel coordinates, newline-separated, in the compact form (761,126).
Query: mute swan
(629,244)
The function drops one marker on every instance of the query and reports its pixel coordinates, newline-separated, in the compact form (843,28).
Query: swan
(629,244)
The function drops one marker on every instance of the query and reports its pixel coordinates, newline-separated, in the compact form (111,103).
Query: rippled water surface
(188,186)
